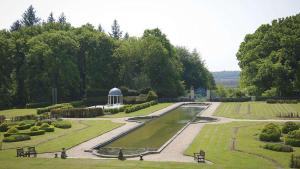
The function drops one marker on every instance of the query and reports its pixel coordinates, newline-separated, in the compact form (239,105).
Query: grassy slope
(142,112)
(216,140)
(80,132)
(254,110)
(17,112)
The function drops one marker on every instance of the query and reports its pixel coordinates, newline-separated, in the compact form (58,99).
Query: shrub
(34,128)
(137,107)
(79,103)
(151,95)
(62,124)
(24,117)
(56,106)
(23,126)
(273,101)
(48,129)
(15,138)
(293,138)
(289,126)
(77,112)
(270,132)
(45,125)
(3,127)
(295,161)
(11,131)
(36,133)
(279,147)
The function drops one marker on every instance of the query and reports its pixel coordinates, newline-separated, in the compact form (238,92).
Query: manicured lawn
(9,162)
(53,141)
(142,112)
(17,112)
(255,110)
(217,142)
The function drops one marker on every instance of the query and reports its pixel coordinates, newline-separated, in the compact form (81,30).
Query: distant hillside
(227,78)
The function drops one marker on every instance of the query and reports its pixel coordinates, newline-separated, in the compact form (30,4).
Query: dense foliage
(293,138)
(37,58)
(289,126)
(269,59)
(77,112)
(270,132)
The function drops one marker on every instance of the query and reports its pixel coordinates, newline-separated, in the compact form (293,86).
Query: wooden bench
(20,152)
(200,157)
(31,151)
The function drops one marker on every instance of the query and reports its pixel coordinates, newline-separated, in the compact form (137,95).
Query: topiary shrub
(289,126)
(293,138)
(34,128)
(151,95)
(62,124)
(15,138)
(11,131)
(23,126)
(270,132)
(47,128)
(3,127)
(36,133)
(279,147)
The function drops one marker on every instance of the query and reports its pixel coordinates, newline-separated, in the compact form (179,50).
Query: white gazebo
(115,97)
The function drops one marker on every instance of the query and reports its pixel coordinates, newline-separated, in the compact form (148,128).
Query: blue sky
(214,27)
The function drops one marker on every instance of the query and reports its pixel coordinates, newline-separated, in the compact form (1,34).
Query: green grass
(17,112)
(158,131)
(254,110)
(54,141)
(216,141)
(141,112)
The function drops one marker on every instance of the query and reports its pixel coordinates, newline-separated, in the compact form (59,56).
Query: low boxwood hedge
(48,129)
(62,124)
(137,107)
(56,106)
(279,147)
(77,112)
(35,133)
(23,127)
(15,138)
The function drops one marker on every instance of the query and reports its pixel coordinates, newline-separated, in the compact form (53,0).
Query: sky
(215,28)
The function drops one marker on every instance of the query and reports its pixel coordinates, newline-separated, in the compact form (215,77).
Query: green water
(158,131)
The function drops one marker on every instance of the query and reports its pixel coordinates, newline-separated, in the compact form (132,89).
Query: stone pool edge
(156,114)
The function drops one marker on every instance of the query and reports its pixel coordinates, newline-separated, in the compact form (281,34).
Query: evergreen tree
(126,36)
(51,18)
(15,26)
(115,30)
(62,18)
(29,18)
(100,29)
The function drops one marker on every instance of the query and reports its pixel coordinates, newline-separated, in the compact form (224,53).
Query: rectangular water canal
(154,133)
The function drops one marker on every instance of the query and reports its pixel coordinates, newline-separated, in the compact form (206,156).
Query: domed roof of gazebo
(115,92)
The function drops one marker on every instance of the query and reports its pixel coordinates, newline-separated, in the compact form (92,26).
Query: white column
(118,99)
(113,99)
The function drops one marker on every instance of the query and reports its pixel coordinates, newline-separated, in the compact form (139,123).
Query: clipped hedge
(23,126)
(279,147)
(24,117)
(273,101)
(137,107)
(270,132)
(11,131)
(293,138)
(77,112)
(289,126)
(47,128)
(62,124)
(151,95)
(35,133)
(56,106)
(15,138)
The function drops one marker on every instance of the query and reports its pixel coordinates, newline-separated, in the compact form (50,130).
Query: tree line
(270,59)
(38,56)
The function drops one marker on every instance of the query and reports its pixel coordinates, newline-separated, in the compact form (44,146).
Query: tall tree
(100,29)
(29,17)
(62,18)
(51,18)
(115,30)
(15,26)
(126,36)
